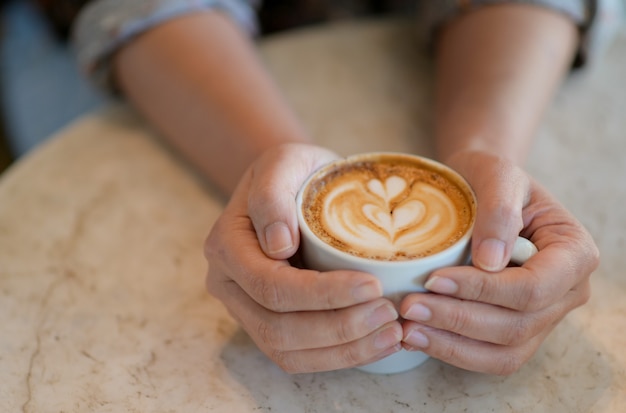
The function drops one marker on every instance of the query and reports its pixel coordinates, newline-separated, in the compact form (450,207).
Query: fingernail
(416,339)
(490,255)
(278,238)
(381,316)
(441,285)
(387,338)
(418,312)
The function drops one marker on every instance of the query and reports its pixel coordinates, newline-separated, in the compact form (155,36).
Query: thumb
(276,179)
(502,191)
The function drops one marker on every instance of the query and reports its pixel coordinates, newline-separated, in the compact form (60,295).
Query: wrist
(499,142)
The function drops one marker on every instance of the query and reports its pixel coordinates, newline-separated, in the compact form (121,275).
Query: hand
(303,320)
(489,318)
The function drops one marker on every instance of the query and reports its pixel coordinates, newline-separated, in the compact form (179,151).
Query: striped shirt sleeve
(103,26)
(597,20)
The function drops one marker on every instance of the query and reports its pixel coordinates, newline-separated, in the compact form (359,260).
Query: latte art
(389,219)
(387,211)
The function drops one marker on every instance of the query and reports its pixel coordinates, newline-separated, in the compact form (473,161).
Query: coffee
(389,207)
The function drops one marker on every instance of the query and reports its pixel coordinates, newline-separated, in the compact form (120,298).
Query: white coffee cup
(399,277)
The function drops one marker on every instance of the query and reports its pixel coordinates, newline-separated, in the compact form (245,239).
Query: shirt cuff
(597,20)
(103,26)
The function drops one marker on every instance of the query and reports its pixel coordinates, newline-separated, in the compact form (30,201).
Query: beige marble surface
(102,302)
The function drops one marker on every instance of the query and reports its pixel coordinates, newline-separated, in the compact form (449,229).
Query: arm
(497,70)
(198,79)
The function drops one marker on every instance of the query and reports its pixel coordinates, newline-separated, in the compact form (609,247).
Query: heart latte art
(389,211)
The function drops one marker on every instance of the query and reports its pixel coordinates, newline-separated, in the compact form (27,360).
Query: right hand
(490,317)
(303,320)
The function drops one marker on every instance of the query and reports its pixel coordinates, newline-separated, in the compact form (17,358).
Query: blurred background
(42,89)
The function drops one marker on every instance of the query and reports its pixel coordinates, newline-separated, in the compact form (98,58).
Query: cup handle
(523,250)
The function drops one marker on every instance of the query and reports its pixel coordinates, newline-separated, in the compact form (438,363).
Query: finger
(471,354)
(303,330)
(348,355)
(276,285)
(567,256)
(233,253)
(484,322)
(501,196)
(318,341)
(318,329)
(541,281)
(473,320)
(276,179)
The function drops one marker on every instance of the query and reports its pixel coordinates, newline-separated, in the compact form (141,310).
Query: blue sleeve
(103,26)
(597,20)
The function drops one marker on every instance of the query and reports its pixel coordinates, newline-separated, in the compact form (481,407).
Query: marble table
(102,299)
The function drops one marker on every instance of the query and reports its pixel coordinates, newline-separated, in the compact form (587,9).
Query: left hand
(303,320)
(488,317)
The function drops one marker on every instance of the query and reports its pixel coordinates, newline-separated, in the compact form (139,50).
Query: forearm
(497,70)
(198,80)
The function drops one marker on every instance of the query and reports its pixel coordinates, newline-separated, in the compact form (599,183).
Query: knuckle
(533,295)
(585,245)
(583,294)
(260,197)
(214,243)
(266,292)
(453,352)
(509,213)
(211,283)
(271,336)
(586,293)
(349,356)
(360,351)
(594,256)
(452,349)
(350,324)
(345,332)
(478,289)
(215,254)
(509,364)
(521,330)
(506,213)
(215,279)
(459,320)
(212,248)
(286,362)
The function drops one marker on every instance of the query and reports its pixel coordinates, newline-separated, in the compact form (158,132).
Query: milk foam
(391,218)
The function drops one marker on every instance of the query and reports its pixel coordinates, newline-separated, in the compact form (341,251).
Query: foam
(389,219)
